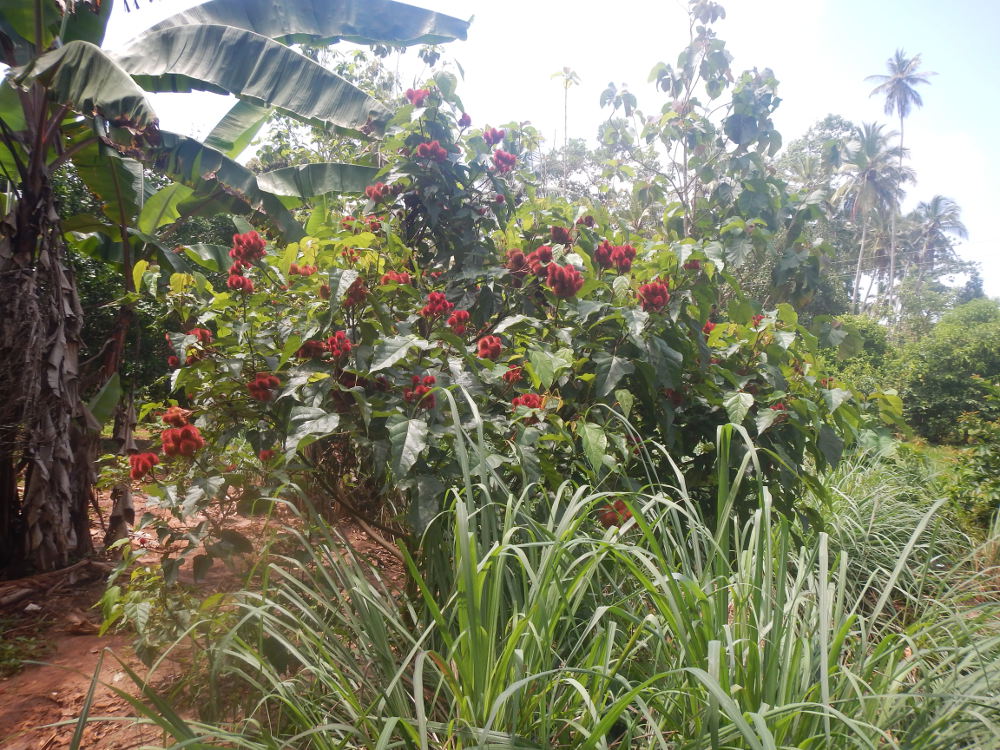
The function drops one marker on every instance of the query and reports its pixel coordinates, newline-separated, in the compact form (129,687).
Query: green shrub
(938,373)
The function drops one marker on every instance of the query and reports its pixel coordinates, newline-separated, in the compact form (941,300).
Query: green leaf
(340,281)
(834,397)
(737,404)
(741,129)
(231,60)
(312,180)
(426,502)
(595,443)
(205,169)
(610,370)
(787,314)
(407,438)
(235,131)
(85,24)
(202,564)
(212,257)
(119,183)
(392,350)
(625,400)
(308,424)
(766,418)
(104,403)
(80,75)
(161,207)
(137,272)
(306,22)
(830,444)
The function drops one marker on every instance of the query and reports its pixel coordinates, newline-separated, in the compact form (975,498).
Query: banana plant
(63,100)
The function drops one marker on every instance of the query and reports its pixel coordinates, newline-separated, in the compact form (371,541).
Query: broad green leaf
(306,22)
(85,24)
(11,111)
(625,400)
(834,397)
(234,132)
(830,444)
(308,424)
(425,503)
(408,438)
(103,404)
(231,60)
(118,182)
(737,404)
(137,271)
(766,418)
(787,314)
(340,281)
(311,180)
(595,443)
(610,370)
(161,207)
(212,257)
(207,170)
(83,77)
(392,350)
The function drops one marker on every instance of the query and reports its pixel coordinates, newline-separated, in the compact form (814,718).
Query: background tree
(899,87)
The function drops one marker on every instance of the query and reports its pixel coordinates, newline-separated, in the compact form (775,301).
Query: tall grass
(551,632)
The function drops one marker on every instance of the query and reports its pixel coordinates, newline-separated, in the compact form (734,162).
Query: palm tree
(66,100)
(899,88)
(874,173)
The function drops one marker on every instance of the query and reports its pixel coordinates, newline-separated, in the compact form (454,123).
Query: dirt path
(39,697)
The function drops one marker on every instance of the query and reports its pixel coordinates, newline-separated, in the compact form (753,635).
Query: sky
(820,51)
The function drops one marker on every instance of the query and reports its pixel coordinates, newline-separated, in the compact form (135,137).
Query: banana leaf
(234,132)
(313,180)
(309,22)
(229,60)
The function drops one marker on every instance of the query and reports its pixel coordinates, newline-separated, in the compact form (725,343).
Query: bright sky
(820,51)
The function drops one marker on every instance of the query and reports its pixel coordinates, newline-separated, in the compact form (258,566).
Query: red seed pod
(513,375)
(564,281)
(489,347)
(654,296)
(458,322)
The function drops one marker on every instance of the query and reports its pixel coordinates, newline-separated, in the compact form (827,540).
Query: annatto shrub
(584,339)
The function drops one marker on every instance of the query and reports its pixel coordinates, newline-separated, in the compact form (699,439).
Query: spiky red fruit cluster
(528,401)
(357,293)
(350,256)
(493,136)
(561,235)
(587,221)
(239,282)
(692,265)
(247,248)
(708,327)
(175,416)
(311,349)
(489,347)
(458,322)
(420,393)
(780,406)
(602,254)
(378,191)
(614,514)
(517,263)
(203,335)
(756,320)
(654,296)
(303,270)
(539,259)
(622,257)
(503,161)
(465,120)
(417,97)
(437,305)
(324,291)
(396,277)
(513,374)
(142,464)
(265,455)
(263,385)
(173,361)
(433,151)
(338,345)
(564,281)
(182,441)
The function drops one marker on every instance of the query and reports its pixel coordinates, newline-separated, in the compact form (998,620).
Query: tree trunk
(44,426)
(857,272)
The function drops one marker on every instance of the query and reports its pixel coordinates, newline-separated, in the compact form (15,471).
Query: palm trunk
(43,423)
(857,272)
